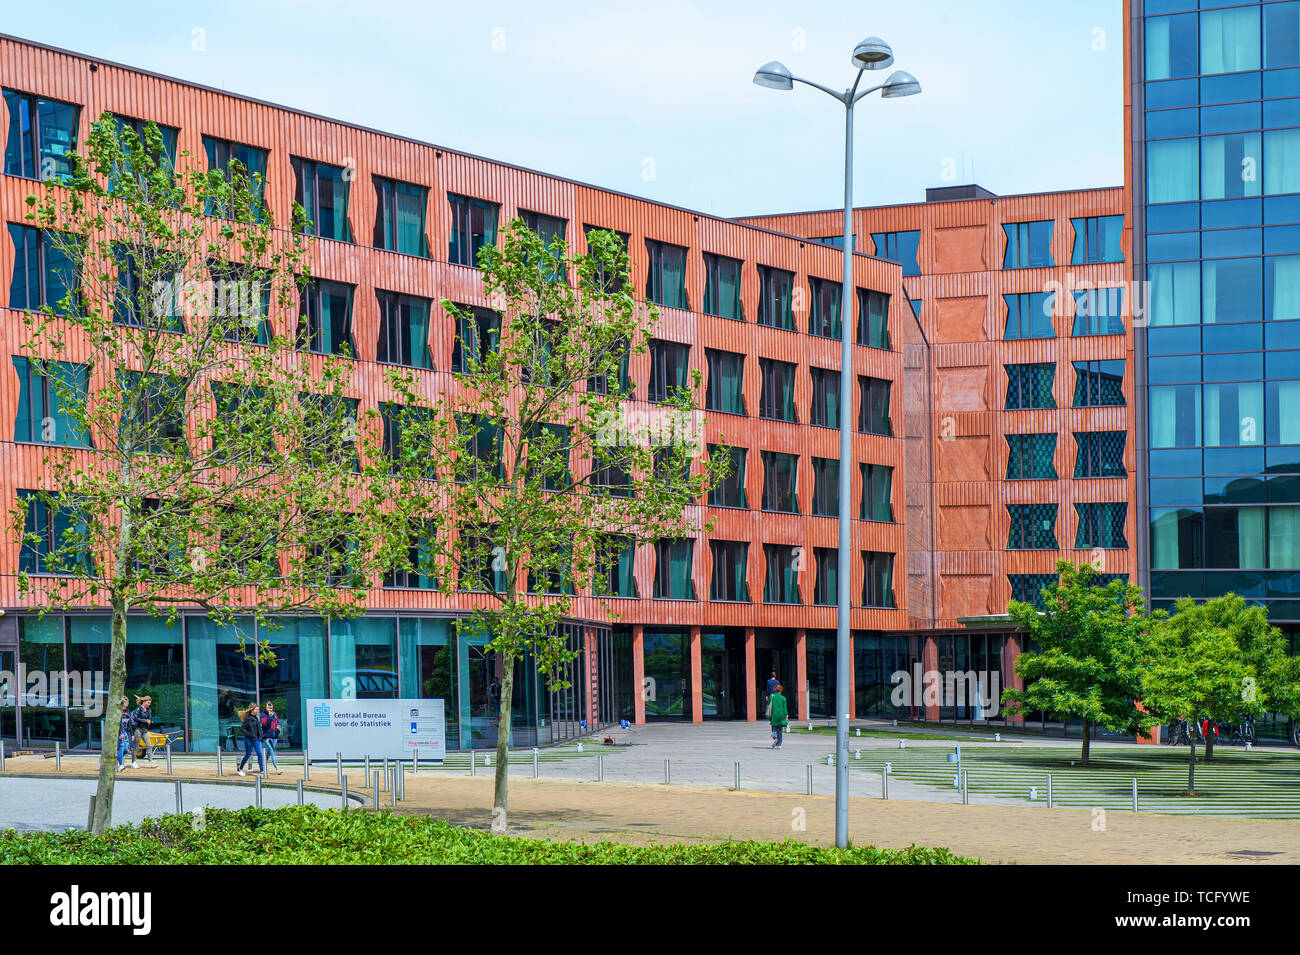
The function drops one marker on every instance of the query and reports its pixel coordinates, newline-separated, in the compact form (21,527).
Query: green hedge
(308,835)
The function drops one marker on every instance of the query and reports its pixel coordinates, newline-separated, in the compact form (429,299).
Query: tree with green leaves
(550,479)
(197,454)
(1195,669)
(1083,651)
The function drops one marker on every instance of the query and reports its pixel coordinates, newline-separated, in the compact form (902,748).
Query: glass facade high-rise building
(1216,186)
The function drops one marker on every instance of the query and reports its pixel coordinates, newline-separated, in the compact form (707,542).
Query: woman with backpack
(271,733)
(252,727)
(125,733)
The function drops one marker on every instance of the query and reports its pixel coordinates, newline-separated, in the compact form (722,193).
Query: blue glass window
(1029,244)
(1281,35)
(1169,123)
(1175,370)
(1174,218)
(1174,296)
(1173,93)
(1029,315)
(1281,112)
(43,275)
(1230,40)
(1098,383)
(42,136)
(1030,386)
(1100,453)
(1230,88)
(1230,214)
(1279,83)
(1099,311)
(1281,161)
(1234,414)
(1229,242)
(1101,524)
(1033,527)
(1096,239)
(1231,118)
(1230,166)
(1177,538)
(1171,46)
(1231,290)
(900,247)
(1175,418)
(1173,170)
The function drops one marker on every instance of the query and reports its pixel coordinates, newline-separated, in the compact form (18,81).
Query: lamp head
(774,76)
(900,83)
(872,53)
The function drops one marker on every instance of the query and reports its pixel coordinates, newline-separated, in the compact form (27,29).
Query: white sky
(656,99)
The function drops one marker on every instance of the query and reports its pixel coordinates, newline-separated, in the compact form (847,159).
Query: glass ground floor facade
(200,674)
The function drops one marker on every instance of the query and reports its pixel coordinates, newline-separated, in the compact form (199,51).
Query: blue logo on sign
(412,729)
(321,715)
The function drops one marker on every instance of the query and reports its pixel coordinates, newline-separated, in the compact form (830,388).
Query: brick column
(697,677)
(801,673)
(1010,651)
(638,674)
(930,664)
(751,678)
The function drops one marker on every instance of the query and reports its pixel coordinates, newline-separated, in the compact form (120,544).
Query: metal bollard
(367,770)
(472,771)
(534,762)
(169,758)
(737,777)
(810,779)
(415,761)
(218,759)
(1135,794)
(338,760)
(58,756)
(375,798)
(180,805)
(600,768)
(90,818)
(300,792)
(884,783)
(306,765)
(344,791)
(399,772)
(388,783)
(2,756)
(965,791)
(392,787)
(257,790)
(1049,790)
(668,772)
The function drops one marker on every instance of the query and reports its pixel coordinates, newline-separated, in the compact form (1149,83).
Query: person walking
(142,719)
(252,728)
(271,733)
(125,733)
(771,687)
(778,715)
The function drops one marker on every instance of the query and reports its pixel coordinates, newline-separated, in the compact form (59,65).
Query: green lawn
(307,835)
(1260,783)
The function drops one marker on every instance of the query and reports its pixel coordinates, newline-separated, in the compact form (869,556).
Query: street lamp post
(872,53)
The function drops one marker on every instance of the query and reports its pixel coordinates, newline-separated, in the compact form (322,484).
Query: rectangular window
(824,315)
(403,330)
(399,217)
(726,382)
(731,491)
(666,283)
(780,478)
(1173,170)
(900,247)
(417,571)
(322,191)
(873,318)
(878,579)
(1175,416)
(1281,161)
(776,297)
(826,587)
(55,538)
(148,294)
(1177,538)
(877,492)
(1230,40)
(781,585)
(1098,311)
(1281,287)
(1171,47)
(730,570)
(43,274)
(1233,412)
(325,318)
(1100,454)
(1227,166)
(777,399)
(1029,244)
(473,225)
(826,398)
(873,406)
(478,335)
(615,559)
(1102,525)
(673,569)
(1175,294)
(241,302)
(670,365)
(397,418)
(548,456)
(598,384)
(1281,35)
(1028,588)
(826,487)
(1098,383)
(608,282)
(551,230)
(1030,386)
(479,569)
(237,431)
(331,423)
(45,391)
(482,446)
(42,136)
(1030,457)
(156,404)
(1033,527)
(610,478)
(722,286)
(1029,315)
(238,163)
(1096,239)
(139,127)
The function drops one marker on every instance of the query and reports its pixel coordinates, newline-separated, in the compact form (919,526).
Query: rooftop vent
(954,193)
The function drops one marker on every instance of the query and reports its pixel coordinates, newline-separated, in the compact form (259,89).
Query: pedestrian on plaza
(771,687)
(777,716)
(271,733)
(142,719)
(125,733)
(252,727)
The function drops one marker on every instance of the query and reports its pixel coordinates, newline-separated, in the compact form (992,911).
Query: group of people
(133,728)
(261,729)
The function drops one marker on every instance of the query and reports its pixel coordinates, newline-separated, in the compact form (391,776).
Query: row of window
(1220,41)
(1027,588)
(1097,311)
(1031,457)
(1228,414)
(1100,524)
(1226,291)
(1097,383)
(1255,538)
(781,479)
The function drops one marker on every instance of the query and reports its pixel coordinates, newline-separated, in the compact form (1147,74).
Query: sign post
(383,729)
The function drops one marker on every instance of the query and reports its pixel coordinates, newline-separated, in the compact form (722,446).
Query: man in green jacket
(778,715)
